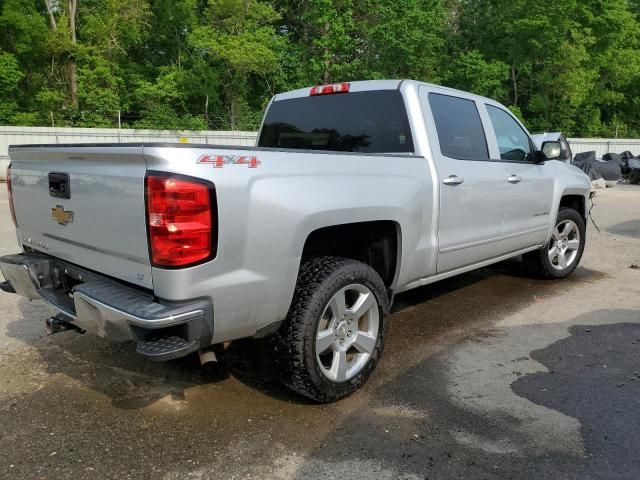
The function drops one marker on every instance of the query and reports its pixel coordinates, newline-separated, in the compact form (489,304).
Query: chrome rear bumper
(107,308)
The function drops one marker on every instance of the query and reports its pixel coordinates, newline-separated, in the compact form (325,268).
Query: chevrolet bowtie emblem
(62,217)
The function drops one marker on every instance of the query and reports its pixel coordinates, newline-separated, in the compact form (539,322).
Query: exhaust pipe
(207,356)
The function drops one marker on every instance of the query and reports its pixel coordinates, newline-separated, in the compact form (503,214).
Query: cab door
(472,188)
(529,185)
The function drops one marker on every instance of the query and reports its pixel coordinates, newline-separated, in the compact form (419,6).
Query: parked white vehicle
(566,155)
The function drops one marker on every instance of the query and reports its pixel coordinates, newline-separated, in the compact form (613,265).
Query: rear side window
(368,122)
(459,127)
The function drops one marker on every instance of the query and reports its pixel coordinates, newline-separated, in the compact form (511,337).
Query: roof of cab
(369,85)
(359,86)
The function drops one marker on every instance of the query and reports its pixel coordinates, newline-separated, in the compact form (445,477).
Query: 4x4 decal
(219,161)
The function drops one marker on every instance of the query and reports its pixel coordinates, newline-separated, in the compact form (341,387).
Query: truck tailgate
(85,205)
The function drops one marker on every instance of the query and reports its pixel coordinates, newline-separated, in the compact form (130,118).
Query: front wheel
(562,254)
(334,332)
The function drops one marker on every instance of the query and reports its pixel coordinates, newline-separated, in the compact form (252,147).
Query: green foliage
(239,38)
(471,72)
(10,76)
(162,104)
(571,65)
(402,38)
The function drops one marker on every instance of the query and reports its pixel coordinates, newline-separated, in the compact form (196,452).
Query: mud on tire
(320,280)
(540,263)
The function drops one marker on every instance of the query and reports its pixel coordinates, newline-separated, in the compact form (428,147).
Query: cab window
(513,141)
(369,122)
(459,127)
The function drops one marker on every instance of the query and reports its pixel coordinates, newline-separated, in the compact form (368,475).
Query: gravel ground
(488,375)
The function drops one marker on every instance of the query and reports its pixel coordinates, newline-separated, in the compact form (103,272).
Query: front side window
(459,127)
(513,142)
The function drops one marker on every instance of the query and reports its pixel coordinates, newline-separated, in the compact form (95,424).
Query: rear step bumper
(106,308)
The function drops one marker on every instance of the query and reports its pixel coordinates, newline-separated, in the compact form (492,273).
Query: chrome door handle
(453,180)
(514,179)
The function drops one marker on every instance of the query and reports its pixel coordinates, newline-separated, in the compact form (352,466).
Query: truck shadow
(436,420)
(513,269)
(419,317)
(594,376)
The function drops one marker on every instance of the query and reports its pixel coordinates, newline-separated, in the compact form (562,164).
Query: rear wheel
(562,254)
(334,333)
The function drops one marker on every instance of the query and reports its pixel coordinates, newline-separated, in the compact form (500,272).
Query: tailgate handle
(59,185)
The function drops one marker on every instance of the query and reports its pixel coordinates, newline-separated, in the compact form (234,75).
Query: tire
(548,262)
(309,345)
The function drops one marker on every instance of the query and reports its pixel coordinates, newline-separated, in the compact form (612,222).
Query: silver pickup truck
(355,192)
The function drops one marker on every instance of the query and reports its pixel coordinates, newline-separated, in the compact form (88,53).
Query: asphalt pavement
(490,375)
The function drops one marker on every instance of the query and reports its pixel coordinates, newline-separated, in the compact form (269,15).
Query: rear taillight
(330,89)
(10,194)
(181,214)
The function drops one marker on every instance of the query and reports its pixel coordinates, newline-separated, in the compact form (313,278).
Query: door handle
(453,180)
(59,185)
(514,179)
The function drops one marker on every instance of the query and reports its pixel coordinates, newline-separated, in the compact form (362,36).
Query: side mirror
(552,150)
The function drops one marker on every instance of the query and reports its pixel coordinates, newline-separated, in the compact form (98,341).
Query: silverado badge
(61,216)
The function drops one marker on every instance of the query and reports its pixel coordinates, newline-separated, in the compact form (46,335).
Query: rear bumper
(104,307)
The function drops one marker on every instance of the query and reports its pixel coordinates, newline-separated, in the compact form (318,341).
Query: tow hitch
(60,323)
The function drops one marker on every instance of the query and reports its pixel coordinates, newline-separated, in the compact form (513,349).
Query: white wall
(603,145)
(43,135)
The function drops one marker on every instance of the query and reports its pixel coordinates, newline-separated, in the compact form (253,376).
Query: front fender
(569,180)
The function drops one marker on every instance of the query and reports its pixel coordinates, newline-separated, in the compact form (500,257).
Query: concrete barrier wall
(47,135)
(603,145)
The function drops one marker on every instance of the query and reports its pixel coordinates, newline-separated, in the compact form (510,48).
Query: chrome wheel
(347,332)
(564,245)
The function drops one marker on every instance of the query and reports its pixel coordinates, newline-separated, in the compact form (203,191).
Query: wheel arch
(575,197)
(377,243)
(577,202)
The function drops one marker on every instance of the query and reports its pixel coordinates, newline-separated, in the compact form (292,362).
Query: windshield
(368,122)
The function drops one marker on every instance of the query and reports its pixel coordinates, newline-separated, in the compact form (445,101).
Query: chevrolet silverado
(354,193)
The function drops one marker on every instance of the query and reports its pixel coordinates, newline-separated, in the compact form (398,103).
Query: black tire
(295,342)
(539,262)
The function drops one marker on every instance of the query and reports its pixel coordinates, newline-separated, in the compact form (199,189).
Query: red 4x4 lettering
(219,161)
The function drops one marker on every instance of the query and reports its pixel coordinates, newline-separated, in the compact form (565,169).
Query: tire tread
(290,341)
(536,261)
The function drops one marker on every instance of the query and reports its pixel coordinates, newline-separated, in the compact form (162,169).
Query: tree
(401,38)
(10,77)
(23,34)
(545,49)
(240,36)
(571,65)
(614,56)
(66,42)
(471,72)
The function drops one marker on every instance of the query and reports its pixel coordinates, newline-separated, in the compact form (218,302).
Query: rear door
(85,205)
(529,186)
(472,188)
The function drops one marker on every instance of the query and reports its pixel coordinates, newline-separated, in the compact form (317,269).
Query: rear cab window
(369,122)
(459,127)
